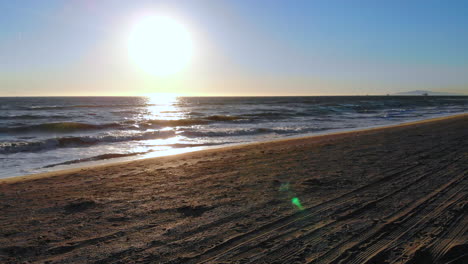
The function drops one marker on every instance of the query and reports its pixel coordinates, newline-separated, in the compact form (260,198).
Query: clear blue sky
(243,47)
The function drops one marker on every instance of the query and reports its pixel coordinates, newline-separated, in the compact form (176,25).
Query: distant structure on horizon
(427,93)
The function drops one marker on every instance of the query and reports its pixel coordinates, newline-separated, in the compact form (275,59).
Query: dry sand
(392,195)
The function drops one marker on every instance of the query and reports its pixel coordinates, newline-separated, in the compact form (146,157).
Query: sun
(160,45)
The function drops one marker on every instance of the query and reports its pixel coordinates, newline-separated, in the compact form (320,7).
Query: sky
(240,47)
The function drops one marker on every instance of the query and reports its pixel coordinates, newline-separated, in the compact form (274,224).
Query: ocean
(40,134)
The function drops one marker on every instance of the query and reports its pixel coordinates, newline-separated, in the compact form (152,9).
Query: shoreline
(116,161)
(398,194)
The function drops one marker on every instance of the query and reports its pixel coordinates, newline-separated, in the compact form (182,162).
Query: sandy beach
(386,195)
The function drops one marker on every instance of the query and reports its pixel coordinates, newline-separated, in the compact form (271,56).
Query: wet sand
(386,195)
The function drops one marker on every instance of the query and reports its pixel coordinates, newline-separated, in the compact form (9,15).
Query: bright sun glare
(160,45)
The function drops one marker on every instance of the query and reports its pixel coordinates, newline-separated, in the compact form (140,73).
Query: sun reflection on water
(163,107)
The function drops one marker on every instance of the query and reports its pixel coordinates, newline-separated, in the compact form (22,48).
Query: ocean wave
(126,112)
(195,113)
(64,107)
(30,117)
(174,123)
(122,155)
(58,127)
(83,141)
(96,158)
(228,133)
(191,145)
(190,121)
(65,127)
(273,115)
(224,118)
(249,132)
(27,146)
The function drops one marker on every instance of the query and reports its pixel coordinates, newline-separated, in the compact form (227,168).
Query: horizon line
(324,95)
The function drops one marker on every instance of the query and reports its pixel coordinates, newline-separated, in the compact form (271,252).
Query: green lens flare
(297,203)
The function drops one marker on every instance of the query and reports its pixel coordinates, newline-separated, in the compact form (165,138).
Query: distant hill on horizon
(423,92)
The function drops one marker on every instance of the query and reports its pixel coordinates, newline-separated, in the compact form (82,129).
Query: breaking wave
(82,141)
(57,127)
(65,127)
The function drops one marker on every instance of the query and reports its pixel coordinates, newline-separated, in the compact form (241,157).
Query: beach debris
(79,205)
(193,211)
